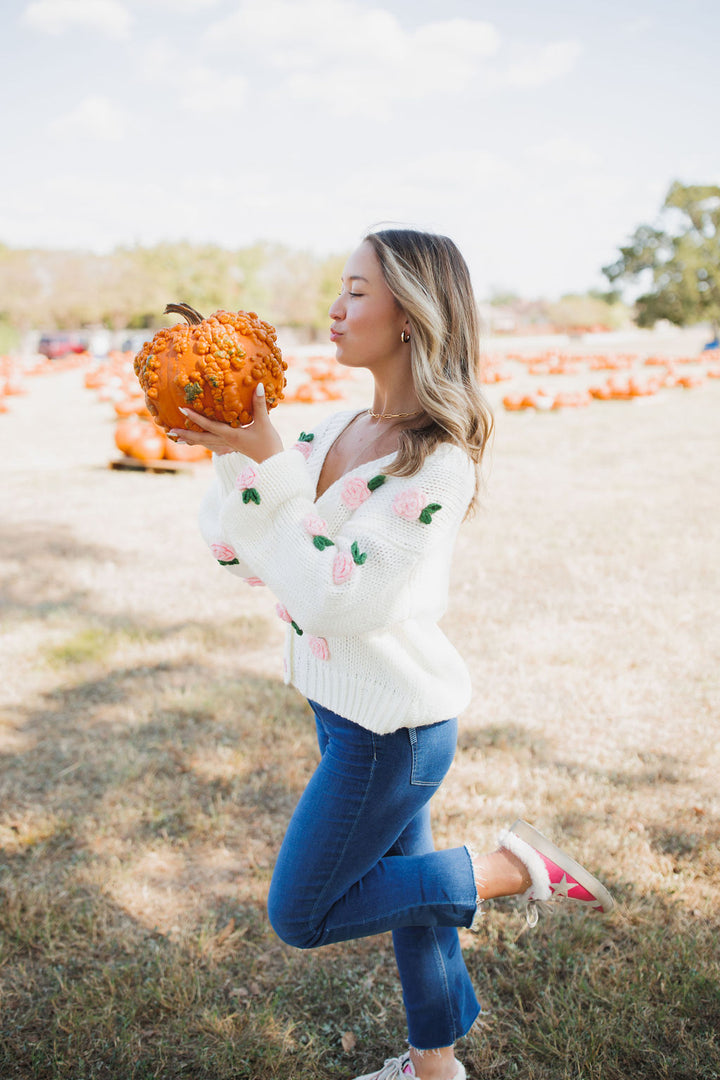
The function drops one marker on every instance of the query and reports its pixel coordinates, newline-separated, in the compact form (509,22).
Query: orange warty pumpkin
(211,366)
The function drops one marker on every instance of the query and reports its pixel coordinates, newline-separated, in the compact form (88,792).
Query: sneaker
(554,874)
(401,1067)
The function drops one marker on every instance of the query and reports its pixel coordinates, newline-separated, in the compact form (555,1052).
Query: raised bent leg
(333,879)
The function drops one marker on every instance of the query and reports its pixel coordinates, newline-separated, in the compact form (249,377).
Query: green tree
(676,261)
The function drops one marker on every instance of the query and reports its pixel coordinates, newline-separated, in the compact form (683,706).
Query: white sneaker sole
(541,843)
(459,1075)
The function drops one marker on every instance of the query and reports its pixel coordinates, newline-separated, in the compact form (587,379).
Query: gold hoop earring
(404,336)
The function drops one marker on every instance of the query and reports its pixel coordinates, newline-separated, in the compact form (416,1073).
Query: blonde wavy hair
(430,281)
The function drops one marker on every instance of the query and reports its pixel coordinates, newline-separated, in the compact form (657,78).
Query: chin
(340,359)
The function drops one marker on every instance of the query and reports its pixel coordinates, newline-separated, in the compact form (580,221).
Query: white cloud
(543,65)
(299,33)
(198,88)
(457,40)
(359,59)
(54,16)
(354,58)
(95,118)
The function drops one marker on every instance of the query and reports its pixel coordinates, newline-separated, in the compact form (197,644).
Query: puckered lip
(335,333)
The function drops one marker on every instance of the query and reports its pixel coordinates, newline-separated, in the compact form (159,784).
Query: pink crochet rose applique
(304,444)
(319,648)
(343,565)
(284,614)
(317,529)
(224,554)
(355,490)
(255,581)
(345,562)
(305,449)
(413,505)
(245,483)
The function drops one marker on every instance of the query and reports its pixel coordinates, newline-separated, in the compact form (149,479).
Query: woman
(353,530)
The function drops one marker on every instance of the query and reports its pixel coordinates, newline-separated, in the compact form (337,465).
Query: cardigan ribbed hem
(375,707)
(432,692)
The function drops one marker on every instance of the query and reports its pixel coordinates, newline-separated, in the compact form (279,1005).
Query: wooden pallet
(161,466)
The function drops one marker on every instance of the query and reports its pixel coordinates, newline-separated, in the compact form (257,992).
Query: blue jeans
(358,859)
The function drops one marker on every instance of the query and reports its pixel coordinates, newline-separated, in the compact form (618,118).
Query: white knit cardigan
(361,573)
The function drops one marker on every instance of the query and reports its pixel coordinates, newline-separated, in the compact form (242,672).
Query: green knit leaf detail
(427,513)
(358,557)
(376,482)
(305,438)
(229,562)
(322,542)
(297,629)
(251,495)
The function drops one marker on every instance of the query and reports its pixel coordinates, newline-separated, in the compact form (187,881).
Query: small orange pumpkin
(184,452)
(514,402)
(128,431)
(141,439)
(210,365)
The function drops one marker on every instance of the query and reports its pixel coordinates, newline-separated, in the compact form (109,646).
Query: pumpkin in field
(211,366)
(174,451)
(141,439)
(131,406)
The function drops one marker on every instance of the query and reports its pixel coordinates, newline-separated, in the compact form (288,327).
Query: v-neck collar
(332,434)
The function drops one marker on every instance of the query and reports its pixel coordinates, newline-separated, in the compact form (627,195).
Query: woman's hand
(258,440)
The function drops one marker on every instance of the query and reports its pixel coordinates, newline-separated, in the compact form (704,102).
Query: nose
(337,310)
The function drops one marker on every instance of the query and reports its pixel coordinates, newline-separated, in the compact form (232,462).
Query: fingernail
(183,411)
(260,390)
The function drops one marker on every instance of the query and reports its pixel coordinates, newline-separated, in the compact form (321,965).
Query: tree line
(129,288)
(674,265)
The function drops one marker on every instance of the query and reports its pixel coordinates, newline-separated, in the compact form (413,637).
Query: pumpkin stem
(193,317)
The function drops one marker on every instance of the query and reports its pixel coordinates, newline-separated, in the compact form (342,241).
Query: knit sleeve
(347,576)
(213,535)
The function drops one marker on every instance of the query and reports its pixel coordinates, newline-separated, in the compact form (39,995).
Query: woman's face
(367,321)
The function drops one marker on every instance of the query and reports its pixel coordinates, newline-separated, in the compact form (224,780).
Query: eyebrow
(356,277)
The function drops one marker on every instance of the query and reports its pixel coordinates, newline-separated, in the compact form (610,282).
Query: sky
(536,135)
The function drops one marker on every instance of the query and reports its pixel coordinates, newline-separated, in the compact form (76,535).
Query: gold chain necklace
(392,415)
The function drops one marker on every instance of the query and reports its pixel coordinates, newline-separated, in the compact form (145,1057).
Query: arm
(255,442)
(212,533)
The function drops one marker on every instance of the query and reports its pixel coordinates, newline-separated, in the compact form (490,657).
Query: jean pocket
(432,749)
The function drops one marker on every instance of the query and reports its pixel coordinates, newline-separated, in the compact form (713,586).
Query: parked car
(59,344)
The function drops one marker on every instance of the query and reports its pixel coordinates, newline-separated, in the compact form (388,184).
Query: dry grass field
(150,757)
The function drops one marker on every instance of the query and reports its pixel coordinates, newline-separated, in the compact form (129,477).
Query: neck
(395,402)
